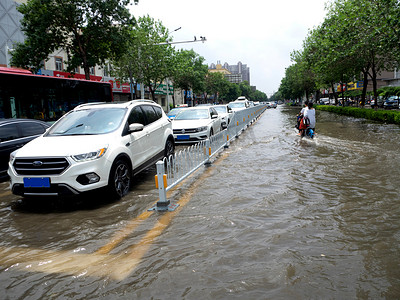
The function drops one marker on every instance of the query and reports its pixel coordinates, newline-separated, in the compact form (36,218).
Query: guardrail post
(163,203)
(226,137)
(207,152)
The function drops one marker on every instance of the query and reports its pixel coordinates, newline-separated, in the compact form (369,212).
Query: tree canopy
(357,40)
(90,32)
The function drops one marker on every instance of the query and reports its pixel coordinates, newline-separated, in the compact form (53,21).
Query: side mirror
(135,127)
(214,116)
(229,109)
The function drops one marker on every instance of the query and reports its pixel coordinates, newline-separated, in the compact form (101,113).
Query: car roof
(10,121)
(115,104)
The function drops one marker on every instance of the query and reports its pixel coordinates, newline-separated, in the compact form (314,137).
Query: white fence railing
(174,169)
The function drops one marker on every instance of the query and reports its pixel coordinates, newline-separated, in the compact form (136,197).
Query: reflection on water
(275,217)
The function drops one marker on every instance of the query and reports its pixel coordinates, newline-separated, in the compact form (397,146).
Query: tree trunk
(365,85)
(335,95)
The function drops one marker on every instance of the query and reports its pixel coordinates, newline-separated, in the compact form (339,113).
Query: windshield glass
(174,111)
(193,114)
(220,109)
(89,121)
(236,104)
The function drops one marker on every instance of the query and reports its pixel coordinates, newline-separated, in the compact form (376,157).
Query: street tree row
(98,32)
(357,40)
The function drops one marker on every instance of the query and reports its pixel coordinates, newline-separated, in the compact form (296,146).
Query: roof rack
(90,103)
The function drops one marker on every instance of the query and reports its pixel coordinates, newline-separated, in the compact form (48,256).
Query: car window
(8,132)
(213,112)
(150,113)
(158,111)
(137,116)
(31,128)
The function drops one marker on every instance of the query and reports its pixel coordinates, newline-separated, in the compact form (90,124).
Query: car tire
(169,148)
(119,181)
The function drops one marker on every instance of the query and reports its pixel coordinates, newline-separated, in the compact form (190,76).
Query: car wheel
(169,148)
(120,179)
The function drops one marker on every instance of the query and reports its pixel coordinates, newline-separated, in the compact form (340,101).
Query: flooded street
(273,217)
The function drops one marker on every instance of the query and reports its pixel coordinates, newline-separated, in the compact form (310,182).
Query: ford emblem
(37,163)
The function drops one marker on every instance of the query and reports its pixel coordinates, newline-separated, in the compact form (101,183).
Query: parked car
(93,146)
(391,103)
(14,133)
(195,124)
(378,103)
(324,101)
(239,104)
(225,112)
(271,105)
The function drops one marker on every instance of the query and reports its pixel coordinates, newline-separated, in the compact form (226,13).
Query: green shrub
(385,116)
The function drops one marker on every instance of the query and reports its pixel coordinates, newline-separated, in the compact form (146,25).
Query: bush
(385,116)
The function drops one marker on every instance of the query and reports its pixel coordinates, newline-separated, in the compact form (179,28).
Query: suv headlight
(90,155)
(204,128)
(12,156)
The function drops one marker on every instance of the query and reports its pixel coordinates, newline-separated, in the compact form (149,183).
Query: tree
(149,58)
(89,31)
(215,84)
(189,72)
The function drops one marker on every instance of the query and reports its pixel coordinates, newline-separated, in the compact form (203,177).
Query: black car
(14,133)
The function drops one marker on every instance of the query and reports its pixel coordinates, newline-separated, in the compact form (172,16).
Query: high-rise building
(234,73)
(10,28)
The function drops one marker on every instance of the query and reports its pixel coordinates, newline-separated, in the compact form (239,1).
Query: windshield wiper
(71,128)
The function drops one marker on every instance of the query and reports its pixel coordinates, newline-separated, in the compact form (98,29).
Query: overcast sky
(261,34)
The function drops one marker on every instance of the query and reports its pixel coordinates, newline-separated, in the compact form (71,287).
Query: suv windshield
(89,121)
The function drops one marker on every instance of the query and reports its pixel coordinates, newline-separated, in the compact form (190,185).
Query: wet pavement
(273,217)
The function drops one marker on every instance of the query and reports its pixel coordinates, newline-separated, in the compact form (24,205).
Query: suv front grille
(40,166)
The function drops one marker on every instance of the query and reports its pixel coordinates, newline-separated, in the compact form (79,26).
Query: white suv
(93,146)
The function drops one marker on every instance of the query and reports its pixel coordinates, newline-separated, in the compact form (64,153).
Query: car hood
(180,124)
(62,145)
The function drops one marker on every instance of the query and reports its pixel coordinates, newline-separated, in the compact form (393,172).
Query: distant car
(271,105)
(324,101)
(173,112)
(239,104)
(391,103)
(225,112)
(15,133)
(196,123)
(96,145)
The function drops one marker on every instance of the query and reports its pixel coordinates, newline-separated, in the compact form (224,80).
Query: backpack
(306,121)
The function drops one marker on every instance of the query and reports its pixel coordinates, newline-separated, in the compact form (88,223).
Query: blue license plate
(36,182)
(183,137)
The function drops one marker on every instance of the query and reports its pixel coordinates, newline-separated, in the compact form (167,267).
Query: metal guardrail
(174,169)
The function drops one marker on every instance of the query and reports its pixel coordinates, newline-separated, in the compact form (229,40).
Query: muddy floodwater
(273,217)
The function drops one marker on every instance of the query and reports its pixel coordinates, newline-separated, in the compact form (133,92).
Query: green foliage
(356,37)
(189,71)
(384,116)
(90,32)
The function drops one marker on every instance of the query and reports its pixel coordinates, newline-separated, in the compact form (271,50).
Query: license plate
(183,137)
(36,182)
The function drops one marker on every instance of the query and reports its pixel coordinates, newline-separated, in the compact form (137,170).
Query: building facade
(233,73)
